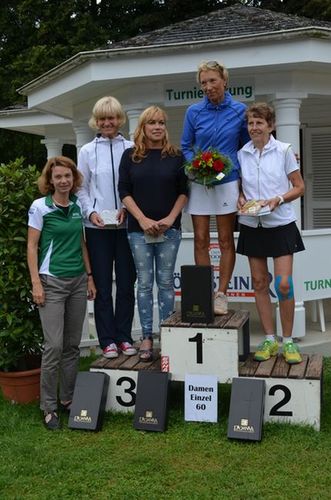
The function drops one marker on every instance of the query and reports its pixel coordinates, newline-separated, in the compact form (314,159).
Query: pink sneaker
(127,348)
(110,351)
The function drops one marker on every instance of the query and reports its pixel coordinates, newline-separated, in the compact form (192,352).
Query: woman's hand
(121,216)
(165,223)
(149,226)
(38,294)
(96,219)
(241,201)
(91,290)
(272,202)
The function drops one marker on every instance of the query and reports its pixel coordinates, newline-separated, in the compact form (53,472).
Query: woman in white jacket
(106,236)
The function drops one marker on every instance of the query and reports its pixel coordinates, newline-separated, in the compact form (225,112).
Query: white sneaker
(220,303)
(110,351)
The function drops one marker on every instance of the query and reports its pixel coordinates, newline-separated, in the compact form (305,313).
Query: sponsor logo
(148,418)
(317,284)
(83,417)
(244,426)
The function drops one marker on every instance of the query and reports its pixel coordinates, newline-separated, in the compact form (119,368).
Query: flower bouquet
(208,167)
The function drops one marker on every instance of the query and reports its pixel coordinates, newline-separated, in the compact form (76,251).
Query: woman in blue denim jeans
(153,188)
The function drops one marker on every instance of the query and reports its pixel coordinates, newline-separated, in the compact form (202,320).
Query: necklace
(60,204)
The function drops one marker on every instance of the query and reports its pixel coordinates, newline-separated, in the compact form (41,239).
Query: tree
(36,35)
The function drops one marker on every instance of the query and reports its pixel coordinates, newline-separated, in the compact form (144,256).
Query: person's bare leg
(201,239)
(225,228)
(283,267)
(260,279)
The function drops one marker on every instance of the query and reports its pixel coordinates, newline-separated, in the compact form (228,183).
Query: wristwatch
(281,199)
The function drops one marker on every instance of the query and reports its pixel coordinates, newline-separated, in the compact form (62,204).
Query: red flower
(218,165)
(196,163)
(206,156)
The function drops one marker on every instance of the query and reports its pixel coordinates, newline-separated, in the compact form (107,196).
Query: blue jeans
(109,248)
(162,256)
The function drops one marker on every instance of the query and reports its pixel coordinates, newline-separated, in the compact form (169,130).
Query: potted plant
(20,328)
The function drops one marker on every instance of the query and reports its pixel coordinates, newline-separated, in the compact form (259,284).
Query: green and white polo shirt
(60,250)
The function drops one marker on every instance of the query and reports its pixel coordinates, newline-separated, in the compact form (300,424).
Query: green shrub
(20,329)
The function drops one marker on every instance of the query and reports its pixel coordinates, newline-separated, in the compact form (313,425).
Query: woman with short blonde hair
(107,106)
(105,228)
(216,123)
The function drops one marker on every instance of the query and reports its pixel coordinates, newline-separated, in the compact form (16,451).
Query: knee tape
(290,294)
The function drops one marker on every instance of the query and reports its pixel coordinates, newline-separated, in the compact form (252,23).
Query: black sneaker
(51,421)
(65,407)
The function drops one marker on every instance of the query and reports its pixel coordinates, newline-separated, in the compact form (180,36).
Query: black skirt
(269,242)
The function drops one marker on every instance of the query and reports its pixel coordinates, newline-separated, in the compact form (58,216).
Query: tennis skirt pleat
(269,242)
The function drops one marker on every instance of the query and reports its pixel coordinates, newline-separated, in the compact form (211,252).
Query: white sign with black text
(201,398)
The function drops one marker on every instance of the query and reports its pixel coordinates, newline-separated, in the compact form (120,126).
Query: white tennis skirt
(216,200)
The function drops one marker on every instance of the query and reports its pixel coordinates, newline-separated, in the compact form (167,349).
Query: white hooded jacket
(99,161)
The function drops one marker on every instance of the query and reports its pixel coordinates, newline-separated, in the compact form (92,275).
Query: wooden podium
(214,348)
(293,392)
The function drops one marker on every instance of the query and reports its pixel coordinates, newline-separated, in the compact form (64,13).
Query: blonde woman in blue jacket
(217,122)
(107,244)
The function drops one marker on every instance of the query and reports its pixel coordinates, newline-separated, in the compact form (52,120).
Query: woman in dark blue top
(153,188)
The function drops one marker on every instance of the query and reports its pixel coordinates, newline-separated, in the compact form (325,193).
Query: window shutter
(318,178)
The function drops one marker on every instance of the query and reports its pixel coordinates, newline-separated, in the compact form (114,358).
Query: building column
(83,134)
(288,130)
(133,116)
(53,145)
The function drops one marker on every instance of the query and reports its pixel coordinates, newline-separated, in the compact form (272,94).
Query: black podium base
(197,285)
(89,401)
(151,401)
(246,409)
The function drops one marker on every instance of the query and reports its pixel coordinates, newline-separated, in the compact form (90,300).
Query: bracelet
(89,274)
(281,199)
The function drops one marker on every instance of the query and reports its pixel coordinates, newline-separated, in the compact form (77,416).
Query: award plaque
(197,284)
(89,401)
(109,217)
(246,409)
(151,401)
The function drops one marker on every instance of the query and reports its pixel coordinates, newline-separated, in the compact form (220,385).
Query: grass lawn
(188,461)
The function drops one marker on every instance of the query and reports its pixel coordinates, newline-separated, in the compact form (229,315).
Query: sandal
(146,355)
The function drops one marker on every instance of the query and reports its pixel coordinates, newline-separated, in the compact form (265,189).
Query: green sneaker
(266,349)
(291,353)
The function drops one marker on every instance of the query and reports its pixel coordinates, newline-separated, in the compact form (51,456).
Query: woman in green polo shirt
(61,280)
